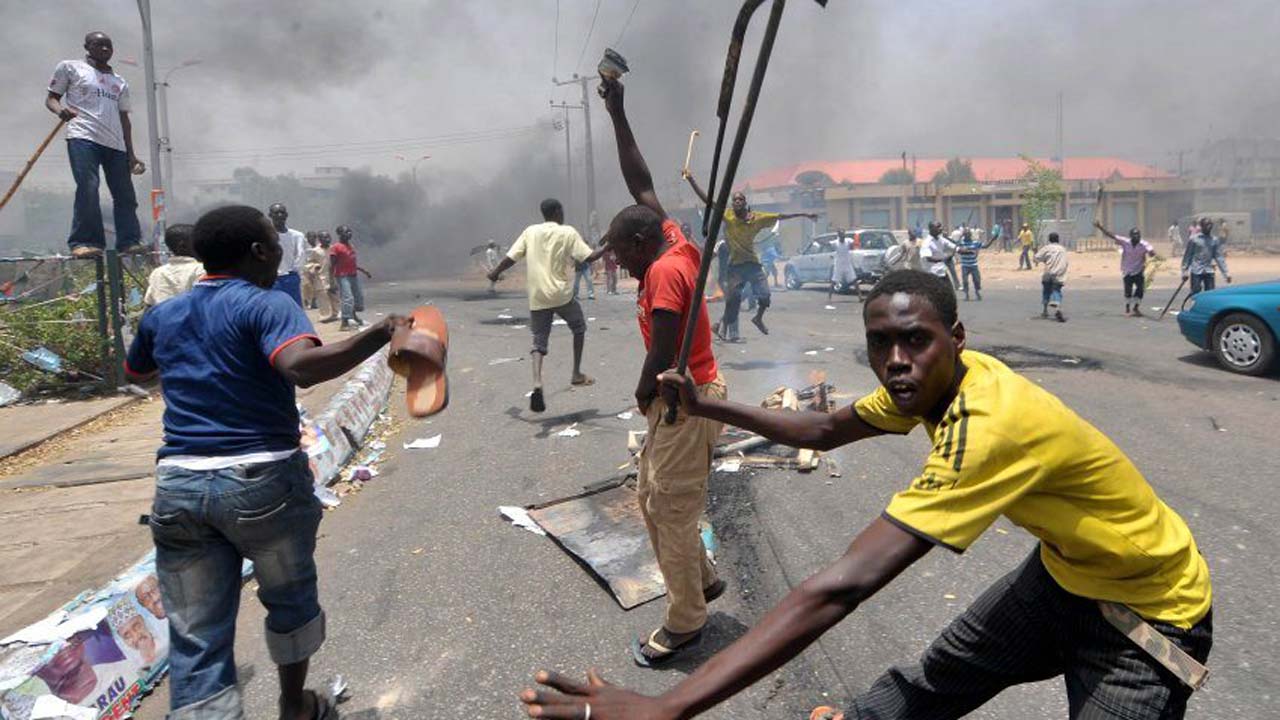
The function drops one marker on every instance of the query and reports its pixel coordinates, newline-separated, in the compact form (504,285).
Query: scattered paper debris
(635,440)
(1071,361)
(60,625)
(51,706)
(504,316)
(559,321)
(43,358)
(327,497)
(591,319)
(426,443)
(828,349)
(948,596)
(419,551)
(519,327)
(810,352)
(1002,531)
(829,307)
(362,473)
(338,686)
(500,361)
(377,445)
(729,465)
(571,431)
(626,415)
(8,394)
(520,518)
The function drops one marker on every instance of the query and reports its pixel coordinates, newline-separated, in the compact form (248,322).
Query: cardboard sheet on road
(605,531)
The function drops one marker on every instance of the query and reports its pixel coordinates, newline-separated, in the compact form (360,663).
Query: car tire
(793,279)
(1243,344)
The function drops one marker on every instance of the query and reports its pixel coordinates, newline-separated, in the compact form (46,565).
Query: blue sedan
(1238,324)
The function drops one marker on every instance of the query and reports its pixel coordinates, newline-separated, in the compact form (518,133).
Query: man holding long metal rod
(676,459)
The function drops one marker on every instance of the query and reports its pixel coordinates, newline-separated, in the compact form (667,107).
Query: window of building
(1124,215)
(919,217)
(874,218)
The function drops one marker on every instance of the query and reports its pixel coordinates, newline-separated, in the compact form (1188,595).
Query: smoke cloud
(287,86)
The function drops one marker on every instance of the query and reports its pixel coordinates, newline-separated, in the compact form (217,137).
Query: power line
(555,55)
(446,140)
(587,42)
(626,24)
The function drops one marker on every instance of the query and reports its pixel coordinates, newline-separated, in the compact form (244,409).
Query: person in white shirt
(293,254)
(938,249)
(180,273)
(843,273)
(94,103)
(1054,257)
(491,259)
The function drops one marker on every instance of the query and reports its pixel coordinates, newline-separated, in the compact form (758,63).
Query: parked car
(814,262)
(1239,324)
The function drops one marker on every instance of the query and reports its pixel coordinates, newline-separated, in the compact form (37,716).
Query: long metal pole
(731,169)
(592,220)
(157,176)
(568,159)
(166,138)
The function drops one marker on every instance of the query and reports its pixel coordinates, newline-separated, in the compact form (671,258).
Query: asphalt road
(455,629)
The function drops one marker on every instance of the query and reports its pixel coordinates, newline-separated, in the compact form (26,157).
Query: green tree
(1043,193)
(897,176)
(957,170)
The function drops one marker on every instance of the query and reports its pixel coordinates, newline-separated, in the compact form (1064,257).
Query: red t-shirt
(342,258)
(668,285)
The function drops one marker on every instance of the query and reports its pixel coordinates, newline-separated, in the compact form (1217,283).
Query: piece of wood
(741,445)
(31,163)
(807,460)
(790,401)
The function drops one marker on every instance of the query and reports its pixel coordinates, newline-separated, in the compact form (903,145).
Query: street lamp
(413,170)
(164,142)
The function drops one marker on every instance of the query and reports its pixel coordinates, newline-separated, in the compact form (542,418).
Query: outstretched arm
(877,555)
(814,430)
(792,216)
(305,364)
(634,169)
(697,189)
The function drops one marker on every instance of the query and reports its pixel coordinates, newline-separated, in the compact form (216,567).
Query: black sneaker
(536,403)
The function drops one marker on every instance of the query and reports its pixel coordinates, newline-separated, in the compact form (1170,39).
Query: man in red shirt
(345,265)
(676,459)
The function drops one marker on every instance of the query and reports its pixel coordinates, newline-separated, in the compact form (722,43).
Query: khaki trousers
(674,465)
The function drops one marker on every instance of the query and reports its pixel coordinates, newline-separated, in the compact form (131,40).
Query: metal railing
(64,322)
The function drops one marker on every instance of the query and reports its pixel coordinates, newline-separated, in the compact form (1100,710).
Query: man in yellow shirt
(1027,239)
(552,252)
(1001,445)
(741,225)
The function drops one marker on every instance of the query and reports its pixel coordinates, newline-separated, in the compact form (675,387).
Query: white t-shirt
(293,251)
(936,251)
(98,98)
(842,268)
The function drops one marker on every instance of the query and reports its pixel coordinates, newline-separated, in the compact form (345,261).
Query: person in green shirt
(741,225)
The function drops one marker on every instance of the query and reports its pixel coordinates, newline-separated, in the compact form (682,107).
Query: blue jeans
(578,277)
(86,217)
(205,524)
(352,297)
(290,284)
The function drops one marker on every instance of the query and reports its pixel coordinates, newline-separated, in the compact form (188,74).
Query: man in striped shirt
(968,249)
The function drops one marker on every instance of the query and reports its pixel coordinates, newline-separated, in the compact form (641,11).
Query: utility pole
(165,138)
(591,168)
(568,157)
(157,176)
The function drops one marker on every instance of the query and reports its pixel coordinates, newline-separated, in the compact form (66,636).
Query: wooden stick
(31,163)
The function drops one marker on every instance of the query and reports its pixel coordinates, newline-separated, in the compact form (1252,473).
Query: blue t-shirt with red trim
(215,348)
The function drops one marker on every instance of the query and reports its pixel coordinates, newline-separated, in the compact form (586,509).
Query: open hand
(683,384)
(596,699)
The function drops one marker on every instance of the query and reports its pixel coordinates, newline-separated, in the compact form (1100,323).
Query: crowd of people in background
(315,271)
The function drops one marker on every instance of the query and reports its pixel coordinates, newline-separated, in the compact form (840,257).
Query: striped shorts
(1026,628)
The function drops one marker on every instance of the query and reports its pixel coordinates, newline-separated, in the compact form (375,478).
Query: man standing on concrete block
(293,246)
(94,102)
(232,482)
(553,252)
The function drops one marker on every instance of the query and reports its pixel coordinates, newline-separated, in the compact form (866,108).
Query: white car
(814,262)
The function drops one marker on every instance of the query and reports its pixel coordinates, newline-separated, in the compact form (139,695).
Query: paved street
(439,609)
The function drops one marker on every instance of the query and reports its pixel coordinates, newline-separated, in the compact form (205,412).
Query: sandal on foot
(583,381)
(826,712)
(713,591)
(326,707)
(660,654)
(759,323)
(536,403)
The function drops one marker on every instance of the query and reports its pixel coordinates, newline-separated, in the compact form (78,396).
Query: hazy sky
(287,85)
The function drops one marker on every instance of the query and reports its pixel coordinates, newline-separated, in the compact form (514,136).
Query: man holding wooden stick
(94,103)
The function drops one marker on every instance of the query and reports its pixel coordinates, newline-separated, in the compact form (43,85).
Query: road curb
(128,402)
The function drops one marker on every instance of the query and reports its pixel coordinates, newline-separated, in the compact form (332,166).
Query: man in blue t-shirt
(231,481)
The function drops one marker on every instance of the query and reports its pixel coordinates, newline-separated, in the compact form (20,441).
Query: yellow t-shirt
(551,252)
(1026,238)
(741,234)
(1008,447)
